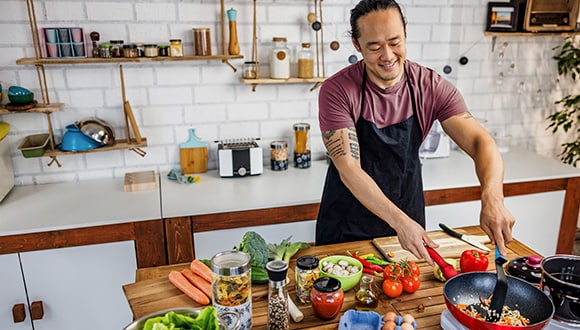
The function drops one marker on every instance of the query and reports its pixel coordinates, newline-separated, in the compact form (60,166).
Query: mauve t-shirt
(340,96)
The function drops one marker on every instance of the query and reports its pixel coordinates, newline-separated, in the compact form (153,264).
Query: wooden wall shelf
(531,34)
(119,145)
(269,81)
(92,60)
(40,108)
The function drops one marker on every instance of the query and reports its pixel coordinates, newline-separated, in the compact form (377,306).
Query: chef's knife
(464,238)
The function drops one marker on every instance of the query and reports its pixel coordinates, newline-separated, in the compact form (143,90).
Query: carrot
(180,282)
(198,281)
(200,269)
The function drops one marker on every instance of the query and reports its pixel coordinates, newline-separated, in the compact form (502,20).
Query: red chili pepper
(362,261)
(368,271)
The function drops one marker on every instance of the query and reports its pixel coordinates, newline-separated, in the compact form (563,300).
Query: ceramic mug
(77,34)
(52,50)
(50,35)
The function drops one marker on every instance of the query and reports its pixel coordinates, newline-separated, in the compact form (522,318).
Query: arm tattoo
(467,115)
(353,143)
(334,146)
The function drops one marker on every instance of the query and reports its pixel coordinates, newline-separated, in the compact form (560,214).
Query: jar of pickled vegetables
(307,272)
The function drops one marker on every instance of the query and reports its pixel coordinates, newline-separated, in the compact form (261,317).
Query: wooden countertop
(430,294)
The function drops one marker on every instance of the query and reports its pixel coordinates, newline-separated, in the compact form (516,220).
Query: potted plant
(567,116)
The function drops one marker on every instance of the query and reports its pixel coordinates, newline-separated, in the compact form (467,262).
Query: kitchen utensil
(467,288)
(234,46)
(97,129)
(464,238)
(193,154)
(561,281)
(139,323)
(500,290)
(527,268)
(74,140)
(446,268)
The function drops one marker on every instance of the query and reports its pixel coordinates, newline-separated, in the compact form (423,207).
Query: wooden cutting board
(139,181)
(449,247)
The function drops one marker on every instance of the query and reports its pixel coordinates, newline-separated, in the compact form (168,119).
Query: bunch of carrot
(194,282)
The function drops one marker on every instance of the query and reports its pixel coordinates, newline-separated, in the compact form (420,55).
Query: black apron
(390,155)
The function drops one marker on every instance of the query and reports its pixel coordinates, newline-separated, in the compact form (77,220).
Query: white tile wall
(169,98)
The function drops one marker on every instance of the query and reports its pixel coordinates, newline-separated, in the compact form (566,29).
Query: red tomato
(411,283)
(409,268)
(393,272)
(392,288)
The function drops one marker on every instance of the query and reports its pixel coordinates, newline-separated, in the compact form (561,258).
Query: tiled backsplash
(171,97)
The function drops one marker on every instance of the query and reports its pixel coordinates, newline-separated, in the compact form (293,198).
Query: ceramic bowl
(74,140)
(346,282)
(20,95)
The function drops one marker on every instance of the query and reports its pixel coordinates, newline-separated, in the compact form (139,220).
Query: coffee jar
(279,59)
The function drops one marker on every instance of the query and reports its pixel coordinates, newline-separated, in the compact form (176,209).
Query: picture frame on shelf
(503,16)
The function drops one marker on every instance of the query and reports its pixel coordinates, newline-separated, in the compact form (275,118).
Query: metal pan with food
(471,288)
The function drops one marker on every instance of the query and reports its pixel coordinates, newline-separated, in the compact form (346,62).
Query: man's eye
(374,49)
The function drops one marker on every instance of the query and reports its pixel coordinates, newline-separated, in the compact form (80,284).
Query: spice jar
(250,70)
(302,145)
(151,50)
(163,50)
(279,59)
(365,298)
(305,62)
(279,156)
(105,50)
(130,51)
(307,272)
(116,48)
(326,298)
(201,42)
(278,316)
(175,48)
(140,49)
(232,287)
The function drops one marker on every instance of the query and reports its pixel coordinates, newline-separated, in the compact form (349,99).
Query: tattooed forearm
(467,115)
(353,143)
(333,144)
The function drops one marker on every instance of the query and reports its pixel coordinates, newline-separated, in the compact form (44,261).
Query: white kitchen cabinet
(80,287)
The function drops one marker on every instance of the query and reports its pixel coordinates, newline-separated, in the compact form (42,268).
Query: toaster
(239,158)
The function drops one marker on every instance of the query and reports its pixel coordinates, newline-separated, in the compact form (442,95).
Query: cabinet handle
(18,313)
(36,310)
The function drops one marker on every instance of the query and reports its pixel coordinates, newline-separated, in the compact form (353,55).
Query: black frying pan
(466,288)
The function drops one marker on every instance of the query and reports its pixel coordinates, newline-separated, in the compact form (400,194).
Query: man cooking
(373,115)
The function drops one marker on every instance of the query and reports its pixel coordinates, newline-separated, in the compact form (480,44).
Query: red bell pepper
(473,261)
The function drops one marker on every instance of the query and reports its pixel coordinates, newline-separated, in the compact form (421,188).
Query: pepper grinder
(234,46)
(95,36)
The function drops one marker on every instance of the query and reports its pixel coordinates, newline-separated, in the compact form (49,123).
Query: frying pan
(466,288)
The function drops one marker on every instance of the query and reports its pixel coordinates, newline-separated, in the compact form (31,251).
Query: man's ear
(355,44)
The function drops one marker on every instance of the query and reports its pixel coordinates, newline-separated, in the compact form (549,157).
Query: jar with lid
(201,42)
(250,70)
(140,49)
(326,298)
(116,48)
(175,48)
(163,50)
(302,145)
(105,50)
(151,50)
(130,51)
(305,62)
(278,316)
(279,156)
(279,59)
(232,287)
(365,298)
(307,272)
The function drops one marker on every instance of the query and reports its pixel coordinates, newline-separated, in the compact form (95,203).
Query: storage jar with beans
(279,155)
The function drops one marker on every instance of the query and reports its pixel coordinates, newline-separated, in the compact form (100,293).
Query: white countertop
(99,202)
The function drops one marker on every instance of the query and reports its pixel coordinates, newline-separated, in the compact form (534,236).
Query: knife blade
(464,238)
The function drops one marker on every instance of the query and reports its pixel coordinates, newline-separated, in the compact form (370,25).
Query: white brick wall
(168,98)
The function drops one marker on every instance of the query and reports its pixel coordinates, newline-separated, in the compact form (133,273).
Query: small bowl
(139,323)
(20,95)
(346,282)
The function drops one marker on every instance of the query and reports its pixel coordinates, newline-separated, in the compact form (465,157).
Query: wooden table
(429,296)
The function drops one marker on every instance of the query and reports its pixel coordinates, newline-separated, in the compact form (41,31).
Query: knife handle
(449,230)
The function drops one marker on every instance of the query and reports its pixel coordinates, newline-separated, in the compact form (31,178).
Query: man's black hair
(367,6)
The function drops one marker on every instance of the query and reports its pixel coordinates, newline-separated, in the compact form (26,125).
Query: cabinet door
(81,287)
(12,292)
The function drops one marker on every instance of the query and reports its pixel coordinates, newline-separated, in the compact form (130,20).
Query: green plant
(568,117)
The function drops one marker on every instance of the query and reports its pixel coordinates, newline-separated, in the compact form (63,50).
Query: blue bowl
(20,95)
(74,140)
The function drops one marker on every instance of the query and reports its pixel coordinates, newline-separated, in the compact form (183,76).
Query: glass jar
(279,156)
(151,50)
(140,49)
(175,48)
(116,48)
(232,286)
(105,50)
(307,272)
(250,70)
(201,42)
(365,298)
(163,50)
(279,59)
(302,145)
(278,316)
(305,62)
(326,298)
(130,51)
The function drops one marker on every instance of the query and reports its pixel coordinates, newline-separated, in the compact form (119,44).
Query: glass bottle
(326,298)
(302,145)
(305,62)
(307,272)
(278,315)
(280,59)
(365,298)
(116,48)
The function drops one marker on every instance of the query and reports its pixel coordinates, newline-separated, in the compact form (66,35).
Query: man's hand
(413,238)
(497,222)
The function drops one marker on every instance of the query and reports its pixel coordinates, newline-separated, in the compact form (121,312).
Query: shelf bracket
(139,151)
(230,65)
(54,160)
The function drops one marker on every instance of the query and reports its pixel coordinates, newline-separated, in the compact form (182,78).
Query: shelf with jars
(310,62)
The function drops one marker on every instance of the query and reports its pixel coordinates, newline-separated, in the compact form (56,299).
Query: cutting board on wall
(449,247)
